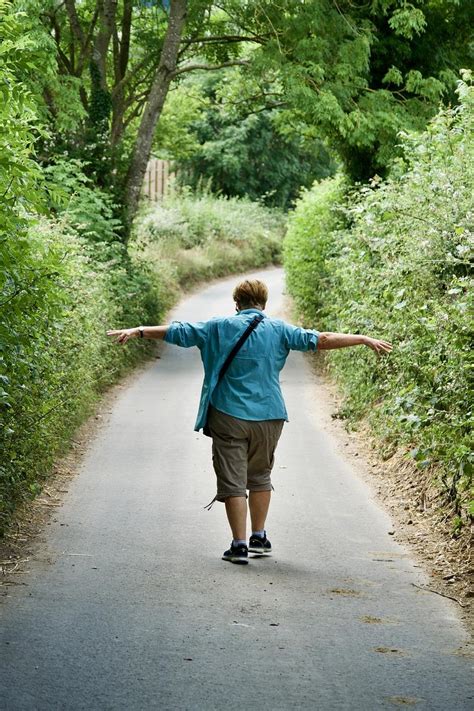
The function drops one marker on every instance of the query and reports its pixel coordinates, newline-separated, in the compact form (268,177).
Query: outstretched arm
(125,334)
(328,341)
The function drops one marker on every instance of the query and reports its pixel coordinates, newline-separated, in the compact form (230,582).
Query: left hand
(380,347)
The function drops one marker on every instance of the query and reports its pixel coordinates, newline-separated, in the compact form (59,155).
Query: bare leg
(259,501)
(236,510)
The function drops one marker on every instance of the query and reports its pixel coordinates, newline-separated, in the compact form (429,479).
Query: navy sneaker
(237,554)
(261,546)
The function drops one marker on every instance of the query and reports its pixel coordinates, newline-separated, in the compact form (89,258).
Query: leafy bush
(193,238)
(310,243)
(61,284)
(400,270)
(89,210)
(55,357)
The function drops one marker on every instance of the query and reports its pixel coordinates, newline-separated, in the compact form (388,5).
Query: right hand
(124,334)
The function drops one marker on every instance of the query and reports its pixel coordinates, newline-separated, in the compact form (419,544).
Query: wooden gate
(158,179)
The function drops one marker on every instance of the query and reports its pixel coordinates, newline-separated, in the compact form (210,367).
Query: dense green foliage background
(358,73)
(252,155)
(349,74)
(394,260)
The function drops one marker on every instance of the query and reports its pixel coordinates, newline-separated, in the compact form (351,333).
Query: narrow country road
(129,606)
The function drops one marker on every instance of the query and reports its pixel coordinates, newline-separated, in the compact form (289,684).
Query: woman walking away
(241,406)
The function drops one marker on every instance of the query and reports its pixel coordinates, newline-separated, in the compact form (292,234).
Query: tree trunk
(121,57)
(108,11)
(153,108)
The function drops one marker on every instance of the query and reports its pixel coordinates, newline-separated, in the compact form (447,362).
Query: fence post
(158,178)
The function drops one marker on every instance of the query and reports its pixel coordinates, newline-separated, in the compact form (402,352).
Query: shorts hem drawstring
(210,504)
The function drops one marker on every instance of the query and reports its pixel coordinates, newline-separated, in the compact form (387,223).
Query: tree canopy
(240,152)
(354,73)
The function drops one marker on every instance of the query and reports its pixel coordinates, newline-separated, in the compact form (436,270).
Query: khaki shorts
(242,453)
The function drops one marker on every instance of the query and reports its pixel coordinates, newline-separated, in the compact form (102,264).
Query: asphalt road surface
(128,605)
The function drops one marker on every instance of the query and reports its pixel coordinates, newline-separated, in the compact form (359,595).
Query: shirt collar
(251,311)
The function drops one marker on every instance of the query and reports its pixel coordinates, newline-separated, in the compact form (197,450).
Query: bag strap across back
(251,327)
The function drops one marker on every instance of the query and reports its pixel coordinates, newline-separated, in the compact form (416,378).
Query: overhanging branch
(74,21)
(223,38)
(267,107)
(209,67)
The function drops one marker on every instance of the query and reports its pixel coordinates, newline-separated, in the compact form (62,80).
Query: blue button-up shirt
(250,389)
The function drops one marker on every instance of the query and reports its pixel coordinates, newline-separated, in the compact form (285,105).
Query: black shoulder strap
(253,324)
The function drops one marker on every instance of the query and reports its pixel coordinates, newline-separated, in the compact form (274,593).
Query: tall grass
(188,239)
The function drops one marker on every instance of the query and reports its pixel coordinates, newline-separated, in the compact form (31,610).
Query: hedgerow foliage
(393,260)
(58,300)
(62,282)
(190,238)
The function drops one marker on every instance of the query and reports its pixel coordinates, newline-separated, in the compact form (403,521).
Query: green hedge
(55,357)
(393,260)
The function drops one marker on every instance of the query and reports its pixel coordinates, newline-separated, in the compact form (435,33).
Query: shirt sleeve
(300,339)
(186,335)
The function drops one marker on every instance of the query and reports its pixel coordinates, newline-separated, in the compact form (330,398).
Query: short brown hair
(251,293)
